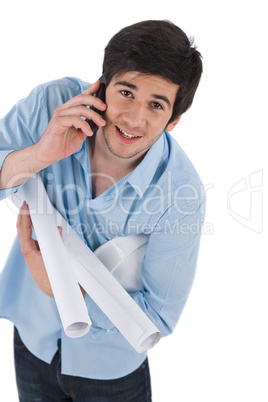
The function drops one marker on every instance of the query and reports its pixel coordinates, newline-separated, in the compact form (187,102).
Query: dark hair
(159,48)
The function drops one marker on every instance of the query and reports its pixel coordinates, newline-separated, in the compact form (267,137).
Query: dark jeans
(38,381)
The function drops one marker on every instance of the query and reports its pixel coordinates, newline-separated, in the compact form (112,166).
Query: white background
(219,350)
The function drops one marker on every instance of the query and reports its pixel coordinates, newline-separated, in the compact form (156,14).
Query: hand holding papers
(69,262)
(66,290)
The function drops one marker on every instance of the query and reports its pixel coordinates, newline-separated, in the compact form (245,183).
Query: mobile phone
(99,94)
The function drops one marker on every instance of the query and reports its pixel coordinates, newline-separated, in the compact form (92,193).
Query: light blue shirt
(162,197)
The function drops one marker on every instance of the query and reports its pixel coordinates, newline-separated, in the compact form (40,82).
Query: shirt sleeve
(168,270)
(22,127)
(169,267)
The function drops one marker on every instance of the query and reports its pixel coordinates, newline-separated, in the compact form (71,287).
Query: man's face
(139,107)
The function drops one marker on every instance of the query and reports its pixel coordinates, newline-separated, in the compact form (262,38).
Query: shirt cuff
(7,191)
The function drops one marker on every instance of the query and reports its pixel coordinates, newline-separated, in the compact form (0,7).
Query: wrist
(37,162)
(19,166)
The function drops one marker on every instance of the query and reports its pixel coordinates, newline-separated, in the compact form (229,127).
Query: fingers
(24,230)
(24,227)
(86,98)
(79,112)
(92,89)
(60,230)
(83,100)
(24,223)
(31,252)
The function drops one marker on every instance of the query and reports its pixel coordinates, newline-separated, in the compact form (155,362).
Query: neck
(104,161)
(106,168)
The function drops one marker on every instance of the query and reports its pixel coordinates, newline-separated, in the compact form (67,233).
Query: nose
(134,116)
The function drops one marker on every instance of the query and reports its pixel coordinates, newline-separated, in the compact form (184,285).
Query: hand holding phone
(101,95)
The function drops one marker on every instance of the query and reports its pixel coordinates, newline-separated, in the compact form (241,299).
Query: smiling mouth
(127,135)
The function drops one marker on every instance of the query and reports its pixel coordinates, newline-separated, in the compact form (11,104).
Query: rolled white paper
(59,253)
(109,295)
(123,257)
(66,290)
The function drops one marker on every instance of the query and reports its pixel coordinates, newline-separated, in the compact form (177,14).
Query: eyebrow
(135,88)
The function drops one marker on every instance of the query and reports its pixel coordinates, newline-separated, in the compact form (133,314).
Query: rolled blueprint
(86,269)
(66,290)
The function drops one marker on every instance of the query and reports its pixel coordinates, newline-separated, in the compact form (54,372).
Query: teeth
(126,134)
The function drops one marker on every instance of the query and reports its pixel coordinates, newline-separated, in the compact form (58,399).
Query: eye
(126,93)
(156,105)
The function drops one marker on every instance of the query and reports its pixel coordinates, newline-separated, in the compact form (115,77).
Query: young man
(131,177)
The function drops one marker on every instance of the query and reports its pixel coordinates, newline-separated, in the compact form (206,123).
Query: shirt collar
(82,155)
(138,180)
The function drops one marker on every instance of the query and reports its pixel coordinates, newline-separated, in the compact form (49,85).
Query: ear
(173,124)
